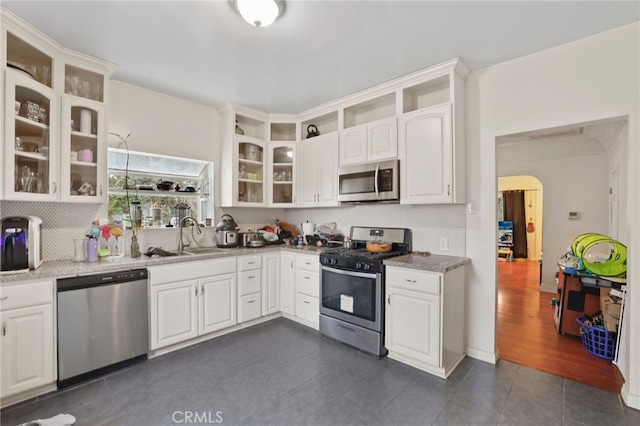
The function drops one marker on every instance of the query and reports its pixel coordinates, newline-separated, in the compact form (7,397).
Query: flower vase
(135,247)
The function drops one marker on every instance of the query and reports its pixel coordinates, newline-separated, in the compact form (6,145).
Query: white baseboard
(490,357)
(630,400)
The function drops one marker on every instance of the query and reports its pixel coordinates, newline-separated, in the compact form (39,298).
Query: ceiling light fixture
(260,13)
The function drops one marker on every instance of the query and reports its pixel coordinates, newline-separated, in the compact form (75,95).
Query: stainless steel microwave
(369,182)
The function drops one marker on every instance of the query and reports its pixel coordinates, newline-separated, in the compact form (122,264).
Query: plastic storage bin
(597,341)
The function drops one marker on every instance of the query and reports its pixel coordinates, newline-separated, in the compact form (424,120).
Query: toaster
(20,243)
(245,238)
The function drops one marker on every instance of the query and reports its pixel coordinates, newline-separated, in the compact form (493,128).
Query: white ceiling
(317,51)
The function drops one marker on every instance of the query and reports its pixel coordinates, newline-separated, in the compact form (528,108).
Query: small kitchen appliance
(250,239)
(21,243)
(370,182)
(227,232)
(352,288)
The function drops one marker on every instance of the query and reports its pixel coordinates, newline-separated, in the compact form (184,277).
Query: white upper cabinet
(281,161)
(318,171)
(427,173)
(370,131)
(54,109)
(243,170)
(417,119)
(431,136)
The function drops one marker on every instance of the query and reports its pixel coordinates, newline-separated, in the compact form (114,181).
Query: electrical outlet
(444,244)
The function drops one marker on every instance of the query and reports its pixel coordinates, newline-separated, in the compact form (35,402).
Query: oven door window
(352,295)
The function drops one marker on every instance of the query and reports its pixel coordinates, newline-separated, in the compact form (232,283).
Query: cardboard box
(610,312)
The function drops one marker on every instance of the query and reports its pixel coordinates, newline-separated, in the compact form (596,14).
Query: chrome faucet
(182,245)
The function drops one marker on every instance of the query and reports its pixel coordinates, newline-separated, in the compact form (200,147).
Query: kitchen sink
(202,250)
(180,253)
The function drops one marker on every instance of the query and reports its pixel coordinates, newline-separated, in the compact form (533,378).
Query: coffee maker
(20,243)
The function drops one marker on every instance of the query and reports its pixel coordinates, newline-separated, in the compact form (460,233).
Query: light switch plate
(444,244)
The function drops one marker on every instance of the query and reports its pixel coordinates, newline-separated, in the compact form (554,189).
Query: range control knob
(334,261)
(367,266)
(358,265)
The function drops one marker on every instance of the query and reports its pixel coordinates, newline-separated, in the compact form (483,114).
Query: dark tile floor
(282,373)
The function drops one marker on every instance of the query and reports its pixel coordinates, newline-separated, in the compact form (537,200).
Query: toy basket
(597,341)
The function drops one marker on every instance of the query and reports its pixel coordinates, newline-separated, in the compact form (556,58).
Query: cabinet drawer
(308,283)
(249,282)
(249,307)
(247,263)
(411,279)
(307,308)
(308,262)
(20,294)
(171,273)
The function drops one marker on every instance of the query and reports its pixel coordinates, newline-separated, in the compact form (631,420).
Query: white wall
(570,184)
(618,160)
(164,124)
(589,79)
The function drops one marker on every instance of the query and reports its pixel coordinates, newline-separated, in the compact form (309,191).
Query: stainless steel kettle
(227,232)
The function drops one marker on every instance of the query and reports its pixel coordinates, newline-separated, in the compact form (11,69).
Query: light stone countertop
(431,263)
(69,268)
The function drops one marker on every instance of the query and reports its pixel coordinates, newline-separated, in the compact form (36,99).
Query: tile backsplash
(428,223)
(64,222)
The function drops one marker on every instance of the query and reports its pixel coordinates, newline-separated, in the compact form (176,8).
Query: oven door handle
(349,273)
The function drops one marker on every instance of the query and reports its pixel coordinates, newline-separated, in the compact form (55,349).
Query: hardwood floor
(527,333)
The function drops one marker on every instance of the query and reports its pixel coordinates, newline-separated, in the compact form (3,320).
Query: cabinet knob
(410,281)
(252,301)
(195,287)
(100,189)
(389,299)
(4,298)
(202,289)
(307,302)
(4,328)
(55,187)
(448,189)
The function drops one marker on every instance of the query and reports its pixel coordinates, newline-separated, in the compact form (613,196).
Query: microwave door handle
(375,180)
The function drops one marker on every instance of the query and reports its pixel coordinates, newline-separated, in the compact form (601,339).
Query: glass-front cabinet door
(83,151)
(282,191)
(31,138)
(251,170)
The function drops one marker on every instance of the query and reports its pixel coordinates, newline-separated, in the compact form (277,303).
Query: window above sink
(159,183)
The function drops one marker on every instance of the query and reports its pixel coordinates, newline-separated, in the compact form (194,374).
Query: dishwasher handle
(97,280)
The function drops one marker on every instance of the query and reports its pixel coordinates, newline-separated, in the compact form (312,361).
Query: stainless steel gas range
(352,288)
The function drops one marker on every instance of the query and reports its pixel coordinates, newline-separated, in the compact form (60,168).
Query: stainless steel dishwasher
(103,324)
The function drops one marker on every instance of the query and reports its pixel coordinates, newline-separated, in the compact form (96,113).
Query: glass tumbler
(79,250)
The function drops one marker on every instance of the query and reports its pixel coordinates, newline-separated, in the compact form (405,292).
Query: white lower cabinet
(270,283)
(217,307)
(249,288)
(287,283)
(174,313)
(424,324)
(307,289)
(201,301)
(28,342)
